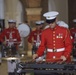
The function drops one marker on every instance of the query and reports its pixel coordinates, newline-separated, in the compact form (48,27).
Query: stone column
(10,10)
(33,13)
(33,10)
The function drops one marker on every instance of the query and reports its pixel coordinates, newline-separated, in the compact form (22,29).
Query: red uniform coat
(6,34)
(56,38)
(33,35)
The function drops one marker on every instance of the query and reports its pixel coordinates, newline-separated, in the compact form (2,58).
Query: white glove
(63,58)
(39,59)
(19,70)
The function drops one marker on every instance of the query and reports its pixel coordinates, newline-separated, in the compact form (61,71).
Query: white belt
(56,50)
(12,39)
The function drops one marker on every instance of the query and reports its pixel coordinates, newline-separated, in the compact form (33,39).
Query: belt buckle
(54,50)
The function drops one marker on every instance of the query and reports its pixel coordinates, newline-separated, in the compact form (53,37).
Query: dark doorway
(71,11)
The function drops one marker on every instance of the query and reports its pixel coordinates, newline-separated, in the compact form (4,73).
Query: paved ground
(3,68)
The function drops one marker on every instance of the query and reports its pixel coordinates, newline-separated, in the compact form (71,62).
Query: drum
(24,30)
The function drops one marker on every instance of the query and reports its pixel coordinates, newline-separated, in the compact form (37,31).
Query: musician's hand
(35,56)
(63,58)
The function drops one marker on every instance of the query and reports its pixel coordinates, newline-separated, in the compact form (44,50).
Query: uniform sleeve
(42,46)
(30,37)
(68,44)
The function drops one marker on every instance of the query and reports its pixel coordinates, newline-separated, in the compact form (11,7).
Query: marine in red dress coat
(10,33)
(35,36)
(10,36)
(56,39)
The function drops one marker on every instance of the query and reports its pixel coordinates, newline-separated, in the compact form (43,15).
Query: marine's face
(52,25)
(38,27)
(41,27)
(11,25)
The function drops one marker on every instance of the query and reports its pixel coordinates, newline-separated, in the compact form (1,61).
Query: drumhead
(24,30)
